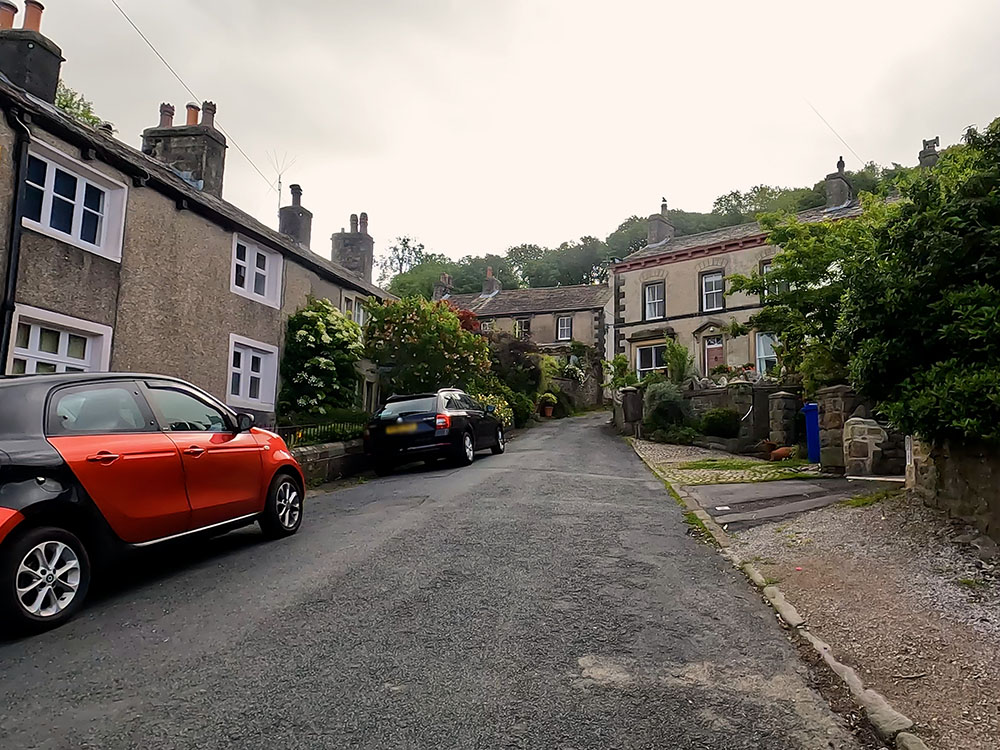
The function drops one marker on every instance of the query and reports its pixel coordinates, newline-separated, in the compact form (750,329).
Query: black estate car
(428,426)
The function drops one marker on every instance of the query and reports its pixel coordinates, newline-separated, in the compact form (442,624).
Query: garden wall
(872,453)
(960,479)
(329,461)
(747,399)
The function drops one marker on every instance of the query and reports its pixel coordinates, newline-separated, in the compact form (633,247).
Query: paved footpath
(547,598)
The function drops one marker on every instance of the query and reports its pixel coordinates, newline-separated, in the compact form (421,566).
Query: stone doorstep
(891,725)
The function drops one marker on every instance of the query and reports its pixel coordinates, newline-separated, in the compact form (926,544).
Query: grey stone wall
(836,405)
(329,461)
(741,397)
(961,479)
(783,407)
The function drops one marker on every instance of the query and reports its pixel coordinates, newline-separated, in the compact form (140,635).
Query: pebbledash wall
(158,291)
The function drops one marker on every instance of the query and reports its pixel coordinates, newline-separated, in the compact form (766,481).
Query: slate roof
(741,231)
(161,178)
(540,300)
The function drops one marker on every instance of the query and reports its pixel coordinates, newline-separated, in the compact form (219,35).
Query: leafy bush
(318,367)
(723,423)
(423,346)
(548,399)
(551,368)
(664,406)
(564,405)
(573,372)
(516,362)
(675,434)
(619,373)
(679,362)
(523,407)
(503,411)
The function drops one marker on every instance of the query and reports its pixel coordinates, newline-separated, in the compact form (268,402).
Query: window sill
(267,302)
(68,239)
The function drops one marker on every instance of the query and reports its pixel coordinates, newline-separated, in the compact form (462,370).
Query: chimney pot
(929,154)
(364,223)
(167,113)
(208,110)
(296,191)
(7,13)
(192,113)
(294,220)
(106,128)
(33,15)
(838,189)
(354,223)
(492,284)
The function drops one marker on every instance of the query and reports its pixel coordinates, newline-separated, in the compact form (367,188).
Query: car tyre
(47,560)
(501,444)
(282,514)
(465,451)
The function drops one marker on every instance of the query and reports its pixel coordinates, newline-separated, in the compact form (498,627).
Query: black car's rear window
(410,406)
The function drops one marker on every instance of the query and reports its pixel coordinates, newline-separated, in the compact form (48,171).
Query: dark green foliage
(523,407)
(664,406)
(619,373)
(516,362)
(675,434)
(564,406)
(76,105)
(922,308)
(723,423)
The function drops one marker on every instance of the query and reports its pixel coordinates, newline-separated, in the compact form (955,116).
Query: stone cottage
(675,287)
(550,316)
(130,260)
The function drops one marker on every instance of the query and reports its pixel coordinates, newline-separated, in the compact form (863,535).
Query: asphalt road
(546,598)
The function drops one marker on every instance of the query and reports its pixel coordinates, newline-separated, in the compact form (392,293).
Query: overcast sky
(475,125)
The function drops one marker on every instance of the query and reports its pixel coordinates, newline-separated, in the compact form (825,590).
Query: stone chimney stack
(442,287)
(929,154)
(196,151)
(491,284)
(659,228)
(296,221)
(31,61)
(355,250)
(838,189)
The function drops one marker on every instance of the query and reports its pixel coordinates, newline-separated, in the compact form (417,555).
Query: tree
(920,312)
(422,346)
(318,367)
(75,105)
(629,237)
(420,279)
(400,258)
(470,272)
(520,256)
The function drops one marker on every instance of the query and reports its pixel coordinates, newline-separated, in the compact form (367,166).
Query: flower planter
(547,411)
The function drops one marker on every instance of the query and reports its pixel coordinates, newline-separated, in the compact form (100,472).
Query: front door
(133,473)
(223,469)
(715,353)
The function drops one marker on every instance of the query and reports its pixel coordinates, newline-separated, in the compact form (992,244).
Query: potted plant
(547,402)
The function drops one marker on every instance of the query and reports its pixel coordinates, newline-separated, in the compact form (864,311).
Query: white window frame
(705,347)
(661,286)
(520,331)
(99,339)
(719,276)
(568,319)
(274,267)
(486,326)
(640,371)
(268,374)
(761,361)
(112,229)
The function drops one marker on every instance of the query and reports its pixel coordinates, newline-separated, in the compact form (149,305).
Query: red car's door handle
(194,450)
(103,457)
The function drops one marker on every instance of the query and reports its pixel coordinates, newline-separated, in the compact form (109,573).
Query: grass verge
(870,498)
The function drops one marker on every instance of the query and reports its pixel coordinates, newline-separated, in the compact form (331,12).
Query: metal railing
(311,434)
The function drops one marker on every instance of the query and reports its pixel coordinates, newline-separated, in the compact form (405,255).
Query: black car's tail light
(442,422)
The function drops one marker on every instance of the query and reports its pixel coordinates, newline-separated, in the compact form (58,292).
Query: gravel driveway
(547,598)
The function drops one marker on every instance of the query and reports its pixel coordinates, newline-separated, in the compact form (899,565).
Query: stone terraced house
(550,316)
(123,259)
(675,287)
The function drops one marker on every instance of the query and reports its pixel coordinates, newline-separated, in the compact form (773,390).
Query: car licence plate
(401,429)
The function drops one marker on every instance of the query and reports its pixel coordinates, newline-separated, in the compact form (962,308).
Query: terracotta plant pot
(547,411)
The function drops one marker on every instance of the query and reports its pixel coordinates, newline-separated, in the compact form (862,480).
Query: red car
(91,464)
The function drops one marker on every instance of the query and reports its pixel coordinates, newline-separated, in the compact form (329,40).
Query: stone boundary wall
(329,461)
(783,410)
(741,397)
(959,478)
